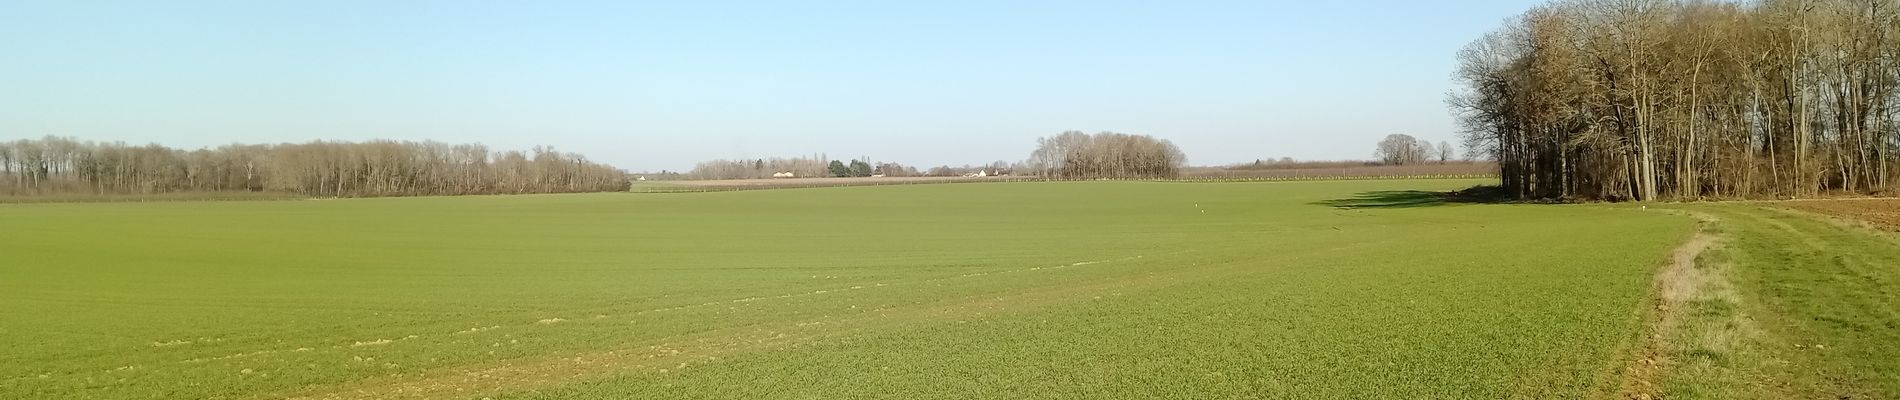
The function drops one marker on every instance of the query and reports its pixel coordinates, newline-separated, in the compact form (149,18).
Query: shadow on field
(1416,198)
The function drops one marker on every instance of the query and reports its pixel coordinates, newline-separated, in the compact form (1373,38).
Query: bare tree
(1658,99)
(1401,149)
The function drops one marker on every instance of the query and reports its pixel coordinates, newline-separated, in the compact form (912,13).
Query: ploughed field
(1884,213)
(1007,290)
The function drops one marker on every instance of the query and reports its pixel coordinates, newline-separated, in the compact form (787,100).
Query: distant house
(978,174)
(642,178)
(877,175)
(786,174)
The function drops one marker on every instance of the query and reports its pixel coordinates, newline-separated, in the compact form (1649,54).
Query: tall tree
(838,169)
(1661,99)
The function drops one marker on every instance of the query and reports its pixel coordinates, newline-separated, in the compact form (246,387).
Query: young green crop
(1803,309)
(1014,290)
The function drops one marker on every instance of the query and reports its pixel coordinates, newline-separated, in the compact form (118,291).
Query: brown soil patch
(1882,213)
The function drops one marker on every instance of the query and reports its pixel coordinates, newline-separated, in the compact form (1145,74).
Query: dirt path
(1782,304)
(1677,284)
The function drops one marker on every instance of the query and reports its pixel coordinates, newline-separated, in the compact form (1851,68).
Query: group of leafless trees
(796,167)
(1401,149)
(1077,155)
(1665,99)
(803,167)
(59,166)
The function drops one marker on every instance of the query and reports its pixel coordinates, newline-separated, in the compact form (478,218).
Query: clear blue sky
(659,85)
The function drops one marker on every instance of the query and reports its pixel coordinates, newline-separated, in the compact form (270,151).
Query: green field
(1007,290)
(1800,308)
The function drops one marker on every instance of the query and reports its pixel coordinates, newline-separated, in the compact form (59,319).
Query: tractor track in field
(1702,317)
(675,354)
(1677,284)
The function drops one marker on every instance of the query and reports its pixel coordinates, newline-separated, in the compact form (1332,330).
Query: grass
(1010,290)
(1805,308)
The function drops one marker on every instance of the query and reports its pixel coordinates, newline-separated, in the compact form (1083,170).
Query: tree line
(796,167)
(998,168)
(1666,99)
(865,168)
(1077,155)
(55,165)
(1070,155)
